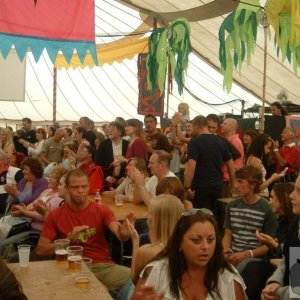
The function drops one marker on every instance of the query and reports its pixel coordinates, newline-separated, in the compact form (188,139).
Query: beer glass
(74,258)
(61,253)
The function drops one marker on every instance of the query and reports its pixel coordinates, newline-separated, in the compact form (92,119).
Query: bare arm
(239,292)
(231,171)
(189,173)
(227,239)
(122,231)
(45,247)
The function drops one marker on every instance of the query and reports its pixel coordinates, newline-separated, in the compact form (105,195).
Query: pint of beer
(74,258)
(61,252)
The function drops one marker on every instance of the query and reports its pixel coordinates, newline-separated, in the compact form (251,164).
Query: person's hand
(126,227)
(275,144)
(227,253)
(74,234)
(268,293)
(71,157)
(238,257)
(133,233)
(136,176)
(41,207)
(190,194)
(11,189)
(276,176)
(116,163)
(144,292)
(266,239)
(121,158)
(18,210)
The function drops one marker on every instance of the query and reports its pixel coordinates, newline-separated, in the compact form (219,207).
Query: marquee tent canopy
(111,90)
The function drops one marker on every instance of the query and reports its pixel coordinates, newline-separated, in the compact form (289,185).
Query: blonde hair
(185,107)
(166,210)
(9,139)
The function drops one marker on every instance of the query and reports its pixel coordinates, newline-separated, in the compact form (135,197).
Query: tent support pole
(262,112)
(54,93)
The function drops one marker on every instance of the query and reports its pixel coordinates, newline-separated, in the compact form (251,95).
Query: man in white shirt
(159,165)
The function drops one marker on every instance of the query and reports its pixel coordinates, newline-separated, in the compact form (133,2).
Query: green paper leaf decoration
(169,45)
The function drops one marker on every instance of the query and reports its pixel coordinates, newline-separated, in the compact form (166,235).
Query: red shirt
(136,149)
(290,155)
(62,220)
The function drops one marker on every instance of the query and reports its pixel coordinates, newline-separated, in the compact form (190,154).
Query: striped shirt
(244,219)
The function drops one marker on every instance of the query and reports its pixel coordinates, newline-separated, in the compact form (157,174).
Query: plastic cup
(74,258)
(119,200)
(82,279)
(24,253)
(61,253)
(88,262)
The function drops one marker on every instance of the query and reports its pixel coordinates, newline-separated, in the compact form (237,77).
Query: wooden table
(47,280)
(140,210)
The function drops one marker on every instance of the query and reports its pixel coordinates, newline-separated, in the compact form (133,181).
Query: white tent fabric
(102,93)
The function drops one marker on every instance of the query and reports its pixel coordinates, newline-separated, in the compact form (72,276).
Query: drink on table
(83,281)
(74,263)
(98,196)
(24,253)
(74,258)
(61,256)
(61,253)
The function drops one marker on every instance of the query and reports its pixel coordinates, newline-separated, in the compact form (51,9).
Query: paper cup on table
(119,200)
(61,253)
(24,253)
(74,258)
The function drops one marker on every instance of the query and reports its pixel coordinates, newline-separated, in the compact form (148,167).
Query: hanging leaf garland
(169,45)
(237,34)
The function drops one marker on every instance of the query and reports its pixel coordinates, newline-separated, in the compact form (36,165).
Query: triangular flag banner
(56,25)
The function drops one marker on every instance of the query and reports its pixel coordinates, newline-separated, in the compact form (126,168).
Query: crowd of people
(185,251)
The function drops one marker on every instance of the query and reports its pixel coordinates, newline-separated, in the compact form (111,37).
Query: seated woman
(29,213)
(281,205)
(282,283)
(163,213)
(192,265)
(126,187)
(31,186)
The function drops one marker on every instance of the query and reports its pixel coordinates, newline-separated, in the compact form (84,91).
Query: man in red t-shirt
(79,215)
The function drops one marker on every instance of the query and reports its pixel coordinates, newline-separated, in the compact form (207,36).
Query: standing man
(53,147)
(229,130)
(203,177)
(88,125)
(79,216)
(28,138)
(109,149)
(155,139)
(287,156)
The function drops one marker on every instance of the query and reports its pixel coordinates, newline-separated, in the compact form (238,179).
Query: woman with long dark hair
(192,265)
(261,146)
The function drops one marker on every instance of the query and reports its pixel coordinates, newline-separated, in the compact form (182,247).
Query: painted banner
(56,25)
(148,104)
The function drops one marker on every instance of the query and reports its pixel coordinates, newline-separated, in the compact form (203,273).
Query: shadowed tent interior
(111,90)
